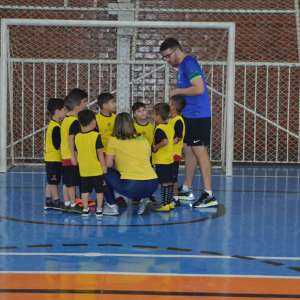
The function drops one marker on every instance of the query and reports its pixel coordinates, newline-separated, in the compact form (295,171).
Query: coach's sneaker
(206,200)
(162,208)
(152,199)
(186,194)
(171,205)
(145,206)
(86,212)
(98,212)
(75,209)
(111,210)
(48,205)
(135,201)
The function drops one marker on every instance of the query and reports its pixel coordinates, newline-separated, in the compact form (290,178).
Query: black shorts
(53,169)
(165,173)
(71,176)
(96,182)
(176,170)
(197,131)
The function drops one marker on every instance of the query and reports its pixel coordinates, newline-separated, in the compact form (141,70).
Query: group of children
(70,150)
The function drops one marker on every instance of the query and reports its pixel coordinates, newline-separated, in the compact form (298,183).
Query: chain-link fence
(50,61)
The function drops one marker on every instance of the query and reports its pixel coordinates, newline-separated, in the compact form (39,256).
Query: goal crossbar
(230,82)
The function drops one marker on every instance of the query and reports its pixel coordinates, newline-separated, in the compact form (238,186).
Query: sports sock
(73,205)
(176,198)
(48,200)
(67,203)
(185,187)
(57,200)
(164,195)
(170,194)
(209,193)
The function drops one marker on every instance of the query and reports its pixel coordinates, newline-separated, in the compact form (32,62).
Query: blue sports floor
(254,233)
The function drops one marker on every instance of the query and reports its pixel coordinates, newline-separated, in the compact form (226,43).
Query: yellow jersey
(178,147)
(164,155)
(87,144)
(132,158)
(51,154)
(147,131)
(105,127)
(65,130)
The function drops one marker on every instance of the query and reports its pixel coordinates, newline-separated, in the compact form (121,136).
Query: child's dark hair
(137,105)
(54,104)
(170,43)
(74,98)
(104,98)
(179,102)
(85,117)
(162,109)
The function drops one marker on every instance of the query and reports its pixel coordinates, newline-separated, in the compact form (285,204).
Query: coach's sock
(48,200)
(186,188)
(209,193)
(164,195)
(67,203)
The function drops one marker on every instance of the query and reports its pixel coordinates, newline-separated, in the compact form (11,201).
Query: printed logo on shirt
(178,77)
(143,133)
(108,124)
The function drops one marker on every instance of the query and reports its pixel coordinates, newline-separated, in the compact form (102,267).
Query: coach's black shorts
(176,170)
(197,131)
(165,173)
(53,169)
(71,176)
(96,182)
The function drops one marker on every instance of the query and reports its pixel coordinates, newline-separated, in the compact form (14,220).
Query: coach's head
(172,52)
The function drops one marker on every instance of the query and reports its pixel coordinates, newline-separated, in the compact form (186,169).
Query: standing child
(75,102)
(177,104)
(91,162)
(162,155)
(146,129)
(56,107)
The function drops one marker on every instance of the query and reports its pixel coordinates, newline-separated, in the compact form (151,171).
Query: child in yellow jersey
(106,118)
(162,155)
(75,102)
(88,149)
(177,104)
(56,107)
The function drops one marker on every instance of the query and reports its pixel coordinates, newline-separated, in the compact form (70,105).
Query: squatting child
(75,102)
(162,155)
(53,161)
(177,104)
(88,150)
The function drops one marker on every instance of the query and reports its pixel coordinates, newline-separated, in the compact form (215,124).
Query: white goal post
(230,76)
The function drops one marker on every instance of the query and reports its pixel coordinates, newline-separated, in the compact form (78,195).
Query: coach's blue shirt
(196,106)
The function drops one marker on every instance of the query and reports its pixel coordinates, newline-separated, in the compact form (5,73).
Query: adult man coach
(197,117)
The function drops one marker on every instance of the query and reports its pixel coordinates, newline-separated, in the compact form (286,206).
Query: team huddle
(75,150)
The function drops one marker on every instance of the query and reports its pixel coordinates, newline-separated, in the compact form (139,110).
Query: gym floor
(246,247)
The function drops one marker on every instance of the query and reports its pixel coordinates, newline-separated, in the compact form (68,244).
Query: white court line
(137,255)
(148,274)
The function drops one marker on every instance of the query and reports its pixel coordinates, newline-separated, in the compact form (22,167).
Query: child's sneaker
(98,212)
(58,205)
(75,209)
(162,208)
(65,208)
(152,199)
(171,205)
(120,201)
(79,202)
(135,202)
(86,212)
(48,205)
(176,202)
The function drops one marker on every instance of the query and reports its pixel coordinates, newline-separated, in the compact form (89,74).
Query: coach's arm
(196,89)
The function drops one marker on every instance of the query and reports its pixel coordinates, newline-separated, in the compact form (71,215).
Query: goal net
(48,58)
